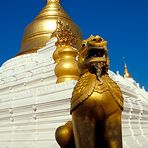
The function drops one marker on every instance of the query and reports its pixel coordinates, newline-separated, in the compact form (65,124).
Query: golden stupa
(38,33)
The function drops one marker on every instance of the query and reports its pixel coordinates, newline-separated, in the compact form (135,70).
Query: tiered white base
(32,105)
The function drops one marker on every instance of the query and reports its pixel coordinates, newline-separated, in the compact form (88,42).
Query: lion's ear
(81,58)
(84,42)
(91,37)
(108,62)
(83,45)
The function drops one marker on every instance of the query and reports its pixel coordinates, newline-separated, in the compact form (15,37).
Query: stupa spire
(53,1)
(126,73)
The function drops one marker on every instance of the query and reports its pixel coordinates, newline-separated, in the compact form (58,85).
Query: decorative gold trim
(65,35)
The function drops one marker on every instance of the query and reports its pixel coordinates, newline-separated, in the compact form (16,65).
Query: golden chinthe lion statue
(96,103)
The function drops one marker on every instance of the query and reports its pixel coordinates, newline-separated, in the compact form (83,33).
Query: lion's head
(93,55)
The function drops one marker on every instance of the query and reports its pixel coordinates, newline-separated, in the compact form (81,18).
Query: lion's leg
(113,131)
(84,131)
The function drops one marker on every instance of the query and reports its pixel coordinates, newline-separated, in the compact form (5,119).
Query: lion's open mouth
(96,54)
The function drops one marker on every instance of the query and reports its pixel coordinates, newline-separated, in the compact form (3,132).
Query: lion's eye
(83,45)
(100,40)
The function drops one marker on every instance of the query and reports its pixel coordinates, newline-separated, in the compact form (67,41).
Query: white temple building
(33,105)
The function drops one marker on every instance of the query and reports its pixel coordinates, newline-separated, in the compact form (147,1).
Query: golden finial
(65,54)
(65,35)
(126,73)
(67,66)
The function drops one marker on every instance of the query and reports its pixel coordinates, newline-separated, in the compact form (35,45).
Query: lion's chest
(101,95)
(92,92)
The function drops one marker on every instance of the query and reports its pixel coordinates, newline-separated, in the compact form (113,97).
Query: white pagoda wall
(32,105)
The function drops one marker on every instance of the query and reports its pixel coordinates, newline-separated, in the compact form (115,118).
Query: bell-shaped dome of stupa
(38,32)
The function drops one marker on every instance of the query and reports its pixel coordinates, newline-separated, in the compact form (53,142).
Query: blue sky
(123,23)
